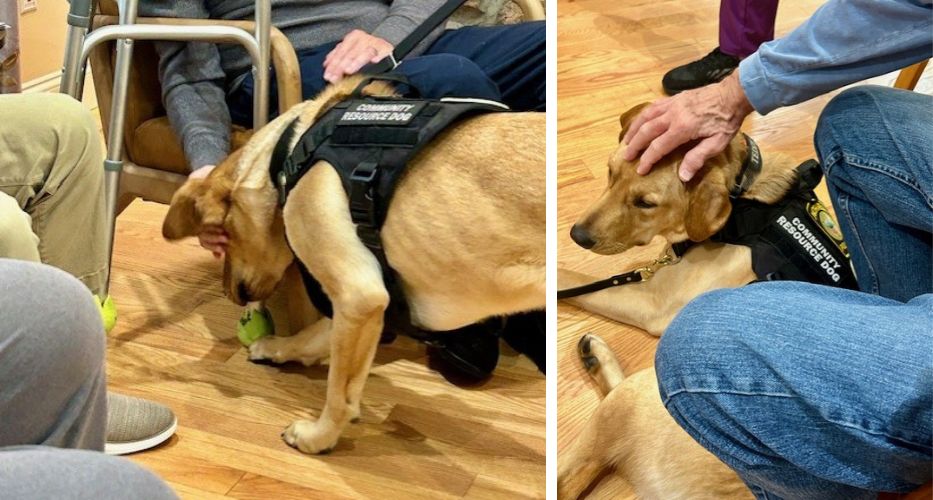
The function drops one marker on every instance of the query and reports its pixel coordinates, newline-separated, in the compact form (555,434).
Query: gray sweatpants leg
(40,473)
(52,381)
(53,393)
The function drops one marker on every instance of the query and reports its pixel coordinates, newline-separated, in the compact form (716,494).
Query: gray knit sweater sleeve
(404,16)
(192,87)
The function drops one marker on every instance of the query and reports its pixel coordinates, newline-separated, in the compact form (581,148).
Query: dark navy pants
(503,63)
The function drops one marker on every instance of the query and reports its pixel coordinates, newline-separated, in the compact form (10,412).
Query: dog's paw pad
(585,349)
(583,346)
(263,361)
(326,451)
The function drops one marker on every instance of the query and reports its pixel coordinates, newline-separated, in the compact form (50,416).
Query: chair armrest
(532,9)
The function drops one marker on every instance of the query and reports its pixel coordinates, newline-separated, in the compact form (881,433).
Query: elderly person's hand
(212,238)
(712,115)
(356,50)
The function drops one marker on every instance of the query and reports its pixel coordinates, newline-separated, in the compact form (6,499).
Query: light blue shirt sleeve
(845,41)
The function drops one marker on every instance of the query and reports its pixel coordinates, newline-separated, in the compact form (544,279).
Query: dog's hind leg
(589,455)
(601,445)
(324,237)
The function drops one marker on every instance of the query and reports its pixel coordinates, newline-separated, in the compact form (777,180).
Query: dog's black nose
(242,291)
(582,237)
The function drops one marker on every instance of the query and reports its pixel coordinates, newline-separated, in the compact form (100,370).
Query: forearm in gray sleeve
(404,16)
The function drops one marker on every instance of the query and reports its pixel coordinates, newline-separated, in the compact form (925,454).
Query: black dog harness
(369,141)
(794,239)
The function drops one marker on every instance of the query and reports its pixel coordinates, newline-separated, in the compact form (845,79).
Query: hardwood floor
(611,56)
(420,436)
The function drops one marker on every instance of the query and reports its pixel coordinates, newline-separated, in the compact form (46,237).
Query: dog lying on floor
(631,430)
(465,234)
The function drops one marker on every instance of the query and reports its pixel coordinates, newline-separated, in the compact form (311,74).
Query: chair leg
(908,77)
(123,201)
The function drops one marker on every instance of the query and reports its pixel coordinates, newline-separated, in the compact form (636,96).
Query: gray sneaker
(135,424)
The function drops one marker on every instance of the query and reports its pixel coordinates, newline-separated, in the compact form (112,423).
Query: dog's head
(635,208)
(257,253)
(239,197)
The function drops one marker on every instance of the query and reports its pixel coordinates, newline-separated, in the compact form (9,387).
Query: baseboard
(46,83)
(52,82)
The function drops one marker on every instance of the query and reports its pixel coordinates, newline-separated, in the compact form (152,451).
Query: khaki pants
(51,185)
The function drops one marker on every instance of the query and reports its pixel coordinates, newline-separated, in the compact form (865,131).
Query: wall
(42,38)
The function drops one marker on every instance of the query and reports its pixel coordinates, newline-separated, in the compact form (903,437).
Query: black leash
(617,280)
(411,41)
(637,276)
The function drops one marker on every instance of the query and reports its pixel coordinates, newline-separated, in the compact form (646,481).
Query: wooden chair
(908,77)
(154,162)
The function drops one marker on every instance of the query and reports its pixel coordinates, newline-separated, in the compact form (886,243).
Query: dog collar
(751,167)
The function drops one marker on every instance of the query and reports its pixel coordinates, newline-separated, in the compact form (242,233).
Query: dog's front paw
(280,350)
(311,437)
(266,349)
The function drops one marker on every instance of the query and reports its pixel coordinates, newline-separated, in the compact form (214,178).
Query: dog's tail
(600,362)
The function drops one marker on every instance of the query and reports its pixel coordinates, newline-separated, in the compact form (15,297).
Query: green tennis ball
(253,325)
(108,312)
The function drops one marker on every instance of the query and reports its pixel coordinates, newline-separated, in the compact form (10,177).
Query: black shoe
(467,355)
(712,68)
(526,333)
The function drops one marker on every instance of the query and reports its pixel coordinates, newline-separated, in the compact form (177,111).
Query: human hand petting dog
(356,50)
(711,114)
(213,238)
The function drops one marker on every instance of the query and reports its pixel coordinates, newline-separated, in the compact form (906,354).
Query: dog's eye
(641,202)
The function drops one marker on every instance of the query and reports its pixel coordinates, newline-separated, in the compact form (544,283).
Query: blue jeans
(500,63)
(810,392)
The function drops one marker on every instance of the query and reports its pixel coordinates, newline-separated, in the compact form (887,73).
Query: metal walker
(81,40)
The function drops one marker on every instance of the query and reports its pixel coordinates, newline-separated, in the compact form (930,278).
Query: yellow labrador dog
(631,430)
(465,233)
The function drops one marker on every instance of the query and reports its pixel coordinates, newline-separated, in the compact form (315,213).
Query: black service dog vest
(369,141)
(794,239)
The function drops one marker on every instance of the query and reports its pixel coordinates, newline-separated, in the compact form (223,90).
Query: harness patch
(821,216)
(811,245)
(381,113)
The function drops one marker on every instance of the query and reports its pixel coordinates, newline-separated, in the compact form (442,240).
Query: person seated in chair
(208,87)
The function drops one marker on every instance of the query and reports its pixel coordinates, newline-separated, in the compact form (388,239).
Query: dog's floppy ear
(197,203)
(708,208)
(625,119)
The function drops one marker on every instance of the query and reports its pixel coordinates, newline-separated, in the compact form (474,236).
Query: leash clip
(666,259)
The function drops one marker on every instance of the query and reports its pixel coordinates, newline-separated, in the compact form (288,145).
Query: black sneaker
(527,334)
(710,69)
(468,355)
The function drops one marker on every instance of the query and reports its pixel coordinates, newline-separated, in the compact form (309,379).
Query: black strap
(385,76)
(617,280)
(411,41)
(751,167)
(679,250)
